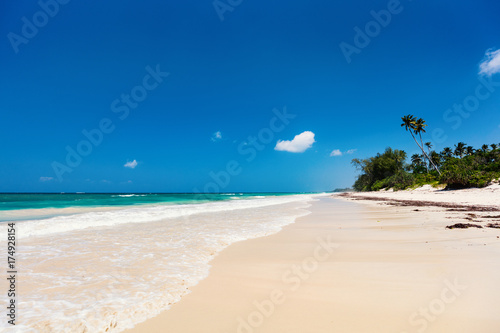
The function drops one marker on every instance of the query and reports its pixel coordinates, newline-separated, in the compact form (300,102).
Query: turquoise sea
(22,202)
(94,262)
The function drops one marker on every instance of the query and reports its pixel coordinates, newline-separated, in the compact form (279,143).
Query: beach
(349,262)
(250,167)
(352,266)
(86,266)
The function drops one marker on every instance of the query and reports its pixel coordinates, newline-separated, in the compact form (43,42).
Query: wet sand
(349,267)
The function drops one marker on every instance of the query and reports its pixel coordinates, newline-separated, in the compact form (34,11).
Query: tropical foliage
(380,171)
(417,126)
(457,167)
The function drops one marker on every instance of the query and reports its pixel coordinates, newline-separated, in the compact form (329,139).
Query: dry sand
(474,196)
(384,269)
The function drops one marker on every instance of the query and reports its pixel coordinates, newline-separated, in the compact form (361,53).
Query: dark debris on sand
(463,226)
(416,203)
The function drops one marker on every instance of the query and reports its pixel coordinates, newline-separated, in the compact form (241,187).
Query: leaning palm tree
(418,127)
(460,149)
(409,122)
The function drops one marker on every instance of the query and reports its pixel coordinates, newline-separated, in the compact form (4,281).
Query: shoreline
(115,269)
(385,265)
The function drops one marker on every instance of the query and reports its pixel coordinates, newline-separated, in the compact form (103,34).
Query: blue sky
(74,71)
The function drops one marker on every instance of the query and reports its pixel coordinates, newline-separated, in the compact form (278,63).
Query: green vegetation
(341,190)
(381,171)
(460,167)
(417,126)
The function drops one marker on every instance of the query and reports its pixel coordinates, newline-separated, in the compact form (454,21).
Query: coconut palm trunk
(423,150)
(412,124)
(427,156)
(419,128)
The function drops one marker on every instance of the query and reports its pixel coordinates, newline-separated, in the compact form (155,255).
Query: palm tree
(429,146)
(416,159)
(447,152)
(484,148)
(436,158)
(469,150)
(418,127)
(493,146)
(460,149)
(409,122)
(417,163)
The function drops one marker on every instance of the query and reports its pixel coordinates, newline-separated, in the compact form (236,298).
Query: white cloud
(336,152)
(131,165)
(491,63)
(299,144)
(216,136)
(46,179)
(105,181)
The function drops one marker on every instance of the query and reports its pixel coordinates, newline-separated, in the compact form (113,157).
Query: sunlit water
(105,271)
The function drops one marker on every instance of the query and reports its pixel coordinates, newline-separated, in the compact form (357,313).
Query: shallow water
(108,270)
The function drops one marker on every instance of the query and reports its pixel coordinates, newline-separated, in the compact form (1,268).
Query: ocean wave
(98,219)
(129,195)
(94,280)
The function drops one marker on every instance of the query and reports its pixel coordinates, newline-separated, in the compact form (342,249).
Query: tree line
(460,166)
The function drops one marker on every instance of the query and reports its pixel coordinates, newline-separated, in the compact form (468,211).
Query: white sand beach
(355,266)
(489,195)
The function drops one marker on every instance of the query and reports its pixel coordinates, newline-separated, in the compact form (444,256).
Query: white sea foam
(129,195)
(139,214)
(107,271)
